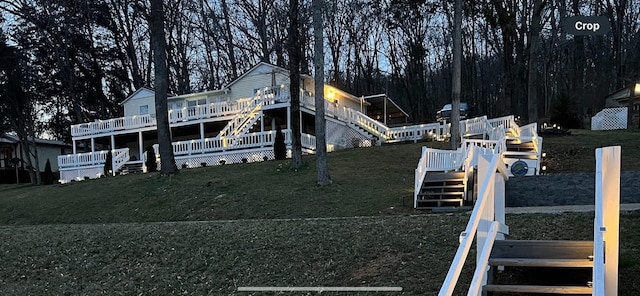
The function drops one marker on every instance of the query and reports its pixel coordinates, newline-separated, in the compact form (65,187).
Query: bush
(279,147)
(108,163)
(151,162)
(47,175)
(564,113)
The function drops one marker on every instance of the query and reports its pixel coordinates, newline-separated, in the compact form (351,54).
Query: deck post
(74,146)
(607,221)
(93,144)
(202,131)
(141,151)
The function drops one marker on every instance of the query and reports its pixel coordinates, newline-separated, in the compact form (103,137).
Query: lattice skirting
(79,174)
(610,119)
(343,137)
(200,160)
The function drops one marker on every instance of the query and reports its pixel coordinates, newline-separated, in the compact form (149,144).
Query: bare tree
(456,80)
(294,77)
(321,124)
(159,47)
(532,84)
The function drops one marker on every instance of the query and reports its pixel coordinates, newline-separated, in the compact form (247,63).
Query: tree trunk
(294,69)
(532,83)
(321,125)
(457,79)
(159,47)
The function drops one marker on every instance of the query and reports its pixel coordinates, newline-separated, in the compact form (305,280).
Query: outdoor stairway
(442,190)
(540,267)
(130,168)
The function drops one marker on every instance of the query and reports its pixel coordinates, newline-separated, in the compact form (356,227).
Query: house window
(199,102)
(175,105)
(144,109)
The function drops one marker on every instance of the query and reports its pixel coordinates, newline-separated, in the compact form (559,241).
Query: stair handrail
(488,207)
(120,157)
(254,104)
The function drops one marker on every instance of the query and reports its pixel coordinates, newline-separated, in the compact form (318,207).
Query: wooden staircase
(130,168)
(540,267)
(442,190)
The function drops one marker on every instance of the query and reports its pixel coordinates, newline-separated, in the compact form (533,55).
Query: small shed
(628,96)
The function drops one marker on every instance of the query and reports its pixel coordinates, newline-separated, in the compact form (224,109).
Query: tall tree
(294,89)
(17,105)
(159,47)
(321,124)
(532,83)
(457,75)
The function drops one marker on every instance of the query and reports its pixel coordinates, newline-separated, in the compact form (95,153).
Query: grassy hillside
(368,181)
(86,238)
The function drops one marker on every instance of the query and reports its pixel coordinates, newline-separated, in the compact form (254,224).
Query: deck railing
(486,222)
(82,159)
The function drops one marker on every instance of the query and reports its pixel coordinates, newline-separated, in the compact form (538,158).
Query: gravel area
(565,189)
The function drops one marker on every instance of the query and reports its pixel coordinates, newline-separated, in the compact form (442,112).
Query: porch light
(544,154)
(544,168)
(331,95)
(636,90)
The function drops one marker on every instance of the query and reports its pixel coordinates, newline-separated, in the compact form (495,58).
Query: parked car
(445,113)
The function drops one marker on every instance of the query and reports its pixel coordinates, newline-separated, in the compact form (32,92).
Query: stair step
(456,186)
(536,262)
(437,203)
(575,290)
(430,193)
(542,249)
(444,176)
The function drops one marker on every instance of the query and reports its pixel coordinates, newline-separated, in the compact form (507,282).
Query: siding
(144,97)
(258,78)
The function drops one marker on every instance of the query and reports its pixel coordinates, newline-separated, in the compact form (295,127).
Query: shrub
(108,164)
(279,147)
(564,113)
(151,162)
(47,175)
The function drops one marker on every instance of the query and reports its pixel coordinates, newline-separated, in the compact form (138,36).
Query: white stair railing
(119,157)
(486,222)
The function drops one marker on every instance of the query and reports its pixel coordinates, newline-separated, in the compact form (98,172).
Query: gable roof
(8,138)
(138,91)
(246,73)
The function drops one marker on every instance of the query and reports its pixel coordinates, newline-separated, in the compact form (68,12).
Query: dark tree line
(517,59)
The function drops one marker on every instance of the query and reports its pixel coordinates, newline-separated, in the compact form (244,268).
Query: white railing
(110,125)
(607,221)
(82,159)
(429,131)
(487,221)
(506,121)
(475,126)
(120,157)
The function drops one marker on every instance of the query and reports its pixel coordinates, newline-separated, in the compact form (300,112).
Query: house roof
(12,139)
(139,90)
(377,103)
(623,94)
(203,93)
(246,73)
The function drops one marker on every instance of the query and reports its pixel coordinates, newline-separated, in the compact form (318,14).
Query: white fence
(610,119)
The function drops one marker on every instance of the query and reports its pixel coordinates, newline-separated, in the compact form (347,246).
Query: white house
(234,124)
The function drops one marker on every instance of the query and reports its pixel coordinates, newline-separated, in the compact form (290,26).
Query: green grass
(576,153)
(92,237)
(214,258)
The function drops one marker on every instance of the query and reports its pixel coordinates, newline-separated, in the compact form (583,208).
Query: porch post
(141,150)
(385,110)
(113,147)
(93,145)
(261,121)
(201,130)
(74,146)
(289,117)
